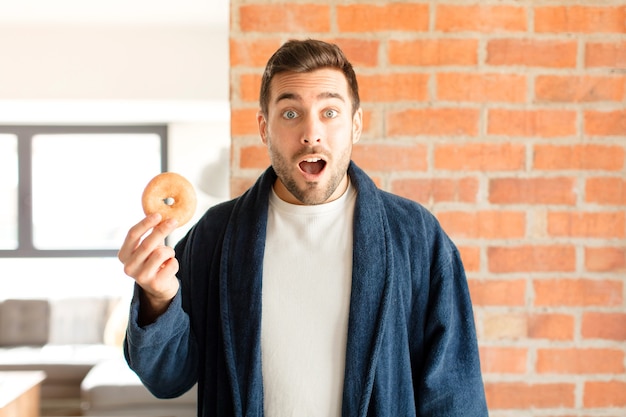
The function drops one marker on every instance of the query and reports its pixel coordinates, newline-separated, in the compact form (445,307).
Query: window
(8,191)
(73,191)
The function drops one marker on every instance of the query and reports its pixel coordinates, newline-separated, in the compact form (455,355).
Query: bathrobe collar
(240,294)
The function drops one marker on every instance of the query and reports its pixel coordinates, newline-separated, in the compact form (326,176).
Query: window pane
(50,278)
(8,191)
(87,187)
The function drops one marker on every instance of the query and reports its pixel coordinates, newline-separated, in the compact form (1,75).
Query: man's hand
(151,264)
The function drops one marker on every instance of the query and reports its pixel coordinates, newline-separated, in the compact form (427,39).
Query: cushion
(115,327)
(24,322)
(78,320)
(112,385)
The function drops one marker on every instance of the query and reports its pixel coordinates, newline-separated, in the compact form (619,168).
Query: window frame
(25,133)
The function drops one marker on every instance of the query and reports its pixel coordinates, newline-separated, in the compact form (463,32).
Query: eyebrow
(297,97)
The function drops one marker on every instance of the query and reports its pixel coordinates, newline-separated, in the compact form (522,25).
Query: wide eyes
(331,113)
(292,114)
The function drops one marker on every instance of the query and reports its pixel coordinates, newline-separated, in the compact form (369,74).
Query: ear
(357,125)
(262,122)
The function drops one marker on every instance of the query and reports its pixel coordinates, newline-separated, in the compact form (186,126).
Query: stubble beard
(312,193)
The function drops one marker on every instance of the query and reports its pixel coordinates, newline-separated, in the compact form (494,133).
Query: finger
(167,271)
(157,236)
(160,259)
(152,241)
(158,276)
(135,234)
(143,266)
(162,289)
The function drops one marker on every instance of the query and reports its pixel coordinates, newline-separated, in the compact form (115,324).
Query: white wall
(117,62)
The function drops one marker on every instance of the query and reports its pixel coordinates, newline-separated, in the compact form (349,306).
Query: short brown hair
(305,56)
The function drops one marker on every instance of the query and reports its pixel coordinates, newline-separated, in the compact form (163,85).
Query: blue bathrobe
(411,347)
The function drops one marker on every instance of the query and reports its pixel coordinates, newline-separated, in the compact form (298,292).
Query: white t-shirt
(307,278)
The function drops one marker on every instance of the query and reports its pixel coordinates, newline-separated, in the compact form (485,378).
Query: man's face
(309,132)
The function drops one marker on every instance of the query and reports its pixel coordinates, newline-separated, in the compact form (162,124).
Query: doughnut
(171,195)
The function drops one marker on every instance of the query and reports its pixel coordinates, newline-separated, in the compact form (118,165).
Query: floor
(65,408)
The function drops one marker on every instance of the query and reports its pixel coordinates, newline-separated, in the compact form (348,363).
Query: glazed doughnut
(171,195)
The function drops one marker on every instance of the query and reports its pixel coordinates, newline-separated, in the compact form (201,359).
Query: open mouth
(312,166)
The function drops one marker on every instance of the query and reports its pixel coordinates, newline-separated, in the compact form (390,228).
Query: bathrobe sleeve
(169,354)
(450,382)
(163,353)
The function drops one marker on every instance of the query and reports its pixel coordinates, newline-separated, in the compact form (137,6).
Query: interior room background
(112,63)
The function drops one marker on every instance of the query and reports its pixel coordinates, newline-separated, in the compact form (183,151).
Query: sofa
(111,388)
(71,339)
(65,338)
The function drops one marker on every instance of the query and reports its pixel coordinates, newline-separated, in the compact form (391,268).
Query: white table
(20,393)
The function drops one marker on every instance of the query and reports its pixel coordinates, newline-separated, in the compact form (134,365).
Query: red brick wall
(508,121)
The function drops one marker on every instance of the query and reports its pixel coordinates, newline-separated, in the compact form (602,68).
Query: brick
(551,326)
(249,87)
(378,181)
(605,259)
(408,17)
(579,157)
(440,121)
(520,395)
(532,53)
(360,52)
(243,121)
(480,18)
(390,157)
(559,190)
(470,255)
(504,326)
(433,52)
(238,185)
(587,224)
(580,19)
(577,292)
(605,123)
(437,190)
(579,89)
(531,123)
(391,87)
(480,157)
(253,157)
(503,360)
(479,88)
(284,17)
(598,394)
(610,326)
(605,54)
(252,52)
(371,124)
(498,292)
(495,224)
(531,258)
(580,361)
(606,191)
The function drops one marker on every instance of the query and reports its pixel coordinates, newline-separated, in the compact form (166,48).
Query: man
(314,293)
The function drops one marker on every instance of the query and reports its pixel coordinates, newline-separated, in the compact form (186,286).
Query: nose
(312,131)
